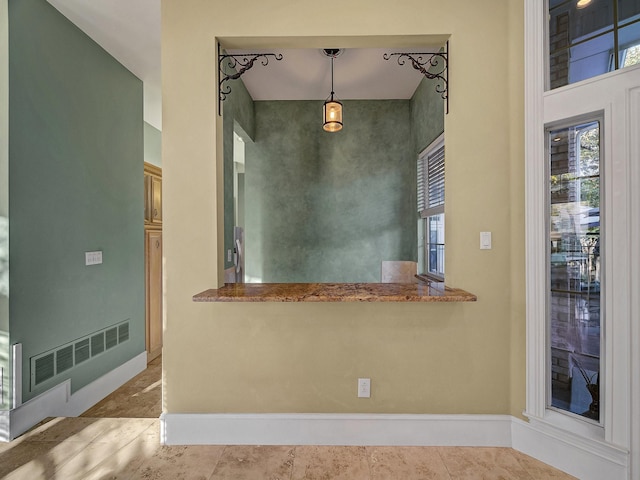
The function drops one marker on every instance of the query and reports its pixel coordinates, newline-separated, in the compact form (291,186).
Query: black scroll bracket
(238,64)
(434,66)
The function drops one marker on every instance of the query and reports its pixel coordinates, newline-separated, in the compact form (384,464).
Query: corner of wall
(4,208)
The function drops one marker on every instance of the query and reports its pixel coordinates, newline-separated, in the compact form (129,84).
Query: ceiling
(130,32)
(305,74)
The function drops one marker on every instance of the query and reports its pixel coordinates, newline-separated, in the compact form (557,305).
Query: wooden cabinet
(152,194)
(153,259)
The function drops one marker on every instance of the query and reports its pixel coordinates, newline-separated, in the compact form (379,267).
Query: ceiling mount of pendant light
(332,109)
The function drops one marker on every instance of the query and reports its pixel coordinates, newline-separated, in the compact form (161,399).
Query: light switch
(93,258)
(485,240)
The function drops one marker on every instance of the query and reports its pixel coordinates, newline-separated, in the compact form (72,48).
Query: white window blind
(431,180)
(436,178)
(422,184)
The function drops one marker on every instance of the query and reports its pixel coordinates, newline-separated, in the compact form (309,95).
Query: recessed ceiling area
(305,74)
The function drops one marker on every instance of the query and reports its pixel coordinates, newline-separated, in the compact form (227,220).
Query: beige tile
(314,462)
(124,463)
(156,362)
(158,406)
(116,434)
(66,429)
(121,431)
(88,458)
(129,401)
(28,454)
(138,398)
(4,446)
(482,463)
(192,462)
(407,463)
(537,469)
(249,462)
(35,460)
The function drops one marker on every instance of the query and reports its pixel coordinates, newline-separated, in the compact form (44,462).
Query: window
(591,37)
(574,266)
(630,56)
(431,207)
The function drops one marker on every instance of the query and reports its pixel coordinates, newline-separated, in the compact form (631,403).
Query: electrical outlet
(364,388)
(228,255)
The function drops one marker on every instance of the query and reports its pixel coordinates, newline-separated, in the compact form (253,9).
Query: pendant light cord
(332,92)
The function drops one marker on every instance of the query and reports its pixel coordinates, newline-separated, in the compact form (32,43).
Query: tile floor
(140,397)
(119,439)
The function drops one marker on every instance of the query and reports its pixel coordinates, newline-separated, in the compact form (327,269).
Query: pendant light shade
(332,115)
(332,109)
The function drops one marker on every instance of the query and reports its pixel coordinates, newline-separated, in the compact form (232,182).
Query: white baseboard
(28,414)
(335,429)
(581,457)
(59,402)
(585,459)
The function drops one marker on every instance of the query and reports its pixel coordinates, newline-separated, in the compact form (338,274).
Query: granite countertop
(335,292)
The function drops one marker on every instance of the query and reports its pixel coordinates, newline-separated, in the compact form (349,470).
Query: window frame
(595,427)
(615,61)
(426,211)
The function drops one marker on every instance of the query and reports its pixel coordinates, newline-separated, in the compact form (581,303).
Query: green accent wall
(427,123)
(329,207)
(76,185)
(152,145)
(427,115)
(238,109)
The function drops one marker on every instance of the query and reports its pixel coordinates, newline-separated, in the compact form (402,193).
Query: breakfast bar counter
(421,291)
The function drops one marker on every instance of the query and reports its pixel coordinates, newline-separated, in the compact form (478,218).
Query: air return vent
(123,332)
(111,337)
(82,351)
(97,344)
(44,368)
(51,363)
(64,358)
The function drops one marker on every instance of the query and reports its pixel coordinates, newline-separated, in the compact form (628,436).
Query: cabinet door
(147,198)
(156,200)
(153,258)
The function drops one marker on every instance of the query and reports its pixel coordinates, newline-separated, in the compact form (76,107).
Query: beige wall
(429,358)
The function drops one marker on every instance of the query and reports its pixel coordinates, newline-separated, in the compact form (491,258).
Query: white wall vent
(52,363)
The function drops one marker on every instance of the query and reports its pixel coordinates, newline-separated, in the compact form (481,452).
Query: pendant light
(332,109)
